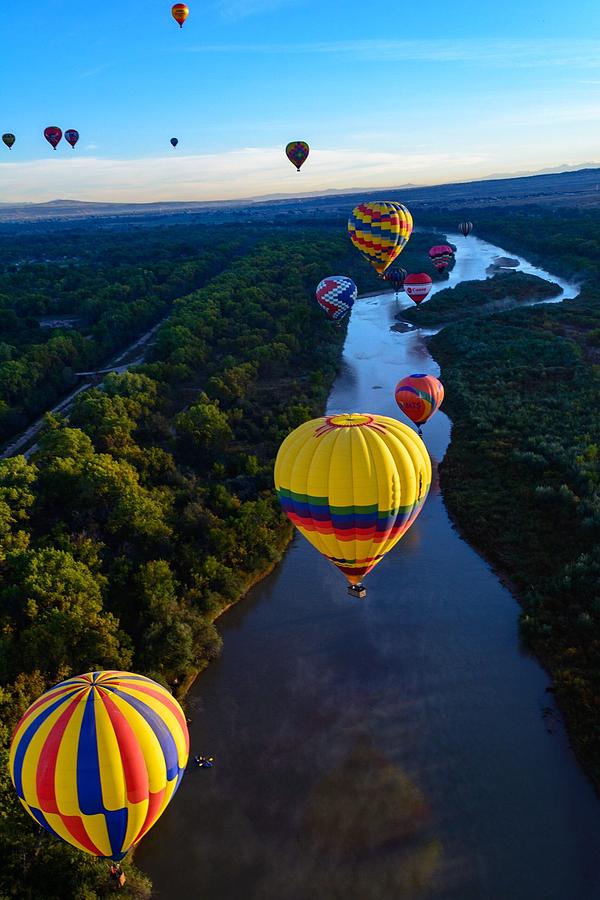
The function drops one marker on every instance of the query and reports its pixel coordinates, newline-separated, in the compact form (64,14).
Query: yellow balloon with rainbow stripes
(353,484)
(97,758)
(380,229)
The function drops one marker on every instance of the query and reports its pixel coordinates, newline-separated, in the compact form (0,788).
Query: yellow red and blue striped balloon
(380,230)
(419,396)
(96,759)
(353,484)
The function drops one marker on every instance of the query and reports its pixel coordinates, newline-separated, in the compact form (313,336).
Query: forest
(70,304)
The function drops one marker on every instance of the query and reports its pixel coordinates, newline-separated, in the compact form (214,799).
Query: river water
(399,747)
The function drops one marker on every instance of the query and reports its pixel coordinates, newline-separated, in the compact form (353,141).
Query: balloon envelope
(417,286)
(419,396)
(336,295)
(96,759)
(297,153)
(396,277)
(71,137)
(353,484)
(8,139)
(180,12)
(441,250)
(380,230)
(174,142)
(53,135)
(465,228)
(441,256)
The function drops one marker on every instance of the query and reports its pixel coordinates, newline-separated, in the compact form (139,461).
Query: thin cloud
(97,70)
(520,53)
(242,9)
(240,173)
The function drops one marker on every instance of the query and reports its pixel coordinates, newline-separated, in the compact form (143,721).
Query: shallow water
(403,746)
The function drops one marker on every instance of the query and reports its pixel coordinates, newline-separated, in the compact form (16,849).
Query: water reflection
(366,832)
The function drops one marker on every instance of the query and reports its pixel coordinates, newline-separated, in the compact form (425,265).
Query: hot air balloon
(71,137)
(419,396)
(417,286)
(96,759)
(336,295)
(8,139)
(180,12)
(465,228)
(352,484)
(297,153)
(174,142)
(396,278)
(53,135)
(380,230)
(441,256)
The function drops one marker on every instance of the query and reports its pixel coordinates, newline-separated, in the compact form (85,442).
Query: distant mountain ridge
(570,187)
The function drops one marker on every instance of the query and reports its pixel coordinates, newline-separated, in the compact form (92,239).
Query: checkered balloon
(336,295)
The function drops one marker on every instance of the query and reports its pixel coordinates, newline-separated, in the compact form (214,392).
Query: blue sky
(385,93)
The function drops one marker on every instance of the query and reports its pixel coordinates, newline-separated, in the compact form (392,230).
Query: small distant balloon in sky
(8,139)
(297,153)
(174,142)
(465,228)
(53,135)
(71,137)
(180,12)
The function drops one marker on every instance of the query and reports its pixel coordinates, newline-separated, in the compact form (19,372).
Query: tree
(56,606)
(203,431)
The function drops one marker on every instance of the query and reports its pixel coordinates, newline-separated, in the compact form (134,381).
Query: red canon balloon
(417,286)
(53,135)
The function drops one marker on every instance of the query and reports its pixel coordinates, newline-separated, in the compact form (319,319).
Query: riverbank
(181,690)
(501,292)
(515,469)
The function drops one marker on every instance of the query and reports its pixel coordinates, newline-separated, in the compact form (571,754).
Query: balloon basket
(357,590)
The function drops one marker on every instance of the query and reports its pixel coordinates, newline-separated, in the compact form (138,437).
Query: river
(399,747)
